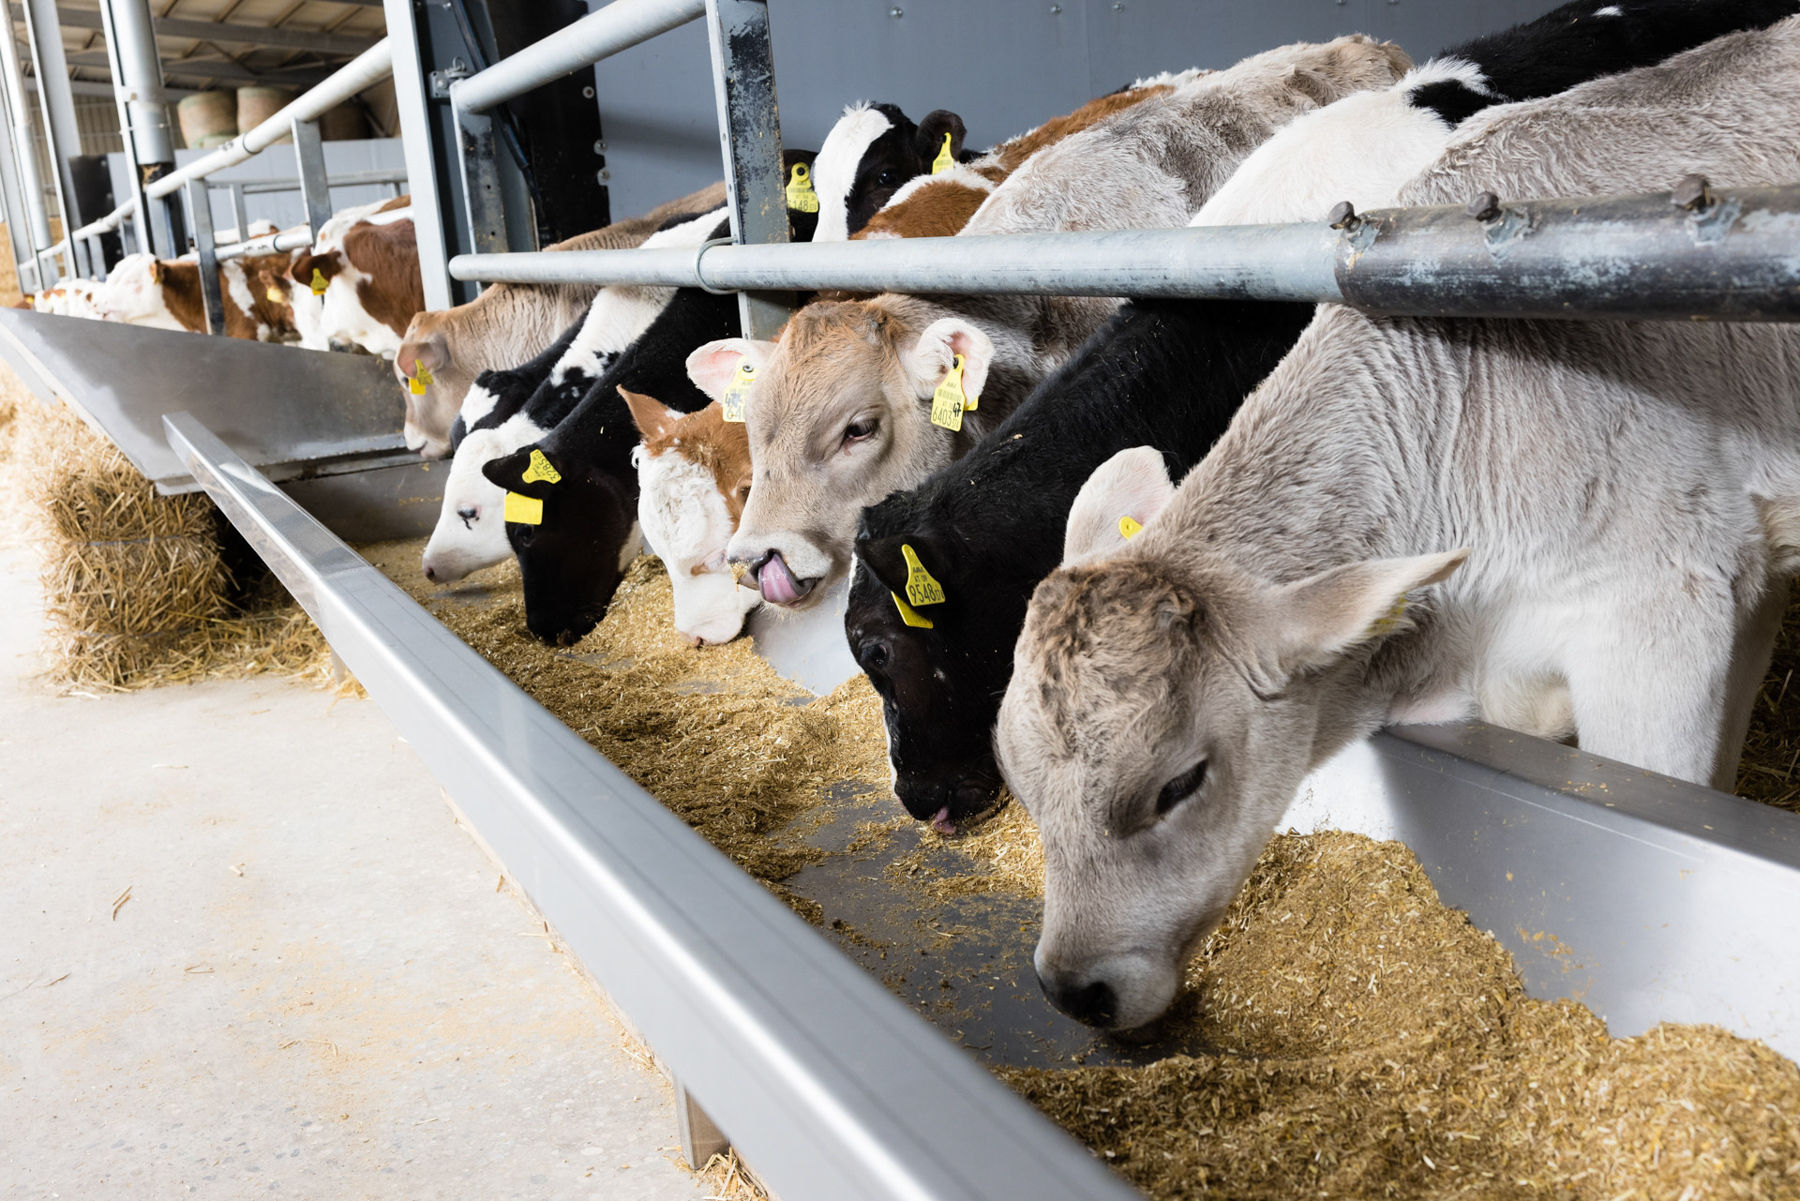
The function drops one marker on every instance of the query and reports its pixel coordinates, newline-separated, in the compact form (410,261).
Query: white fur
(1361,149)
(1170,79)
(459,546)
(477,403)
(309,316)
(620,313)
(834,170)
(686,524)
(132,297)
(1611,10)
(343,316)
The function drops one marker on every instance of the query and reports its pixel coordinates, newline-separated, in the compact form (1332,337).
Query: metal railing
(296,120)
(1632,257)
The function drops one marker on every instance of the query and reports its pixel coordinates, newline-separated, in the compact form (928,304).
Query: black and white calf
(990,526)
(1365,147)
(505,410)
(870,154)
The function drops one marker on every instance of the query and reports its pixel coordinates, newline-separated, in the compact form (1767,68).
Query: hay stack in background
(137,587)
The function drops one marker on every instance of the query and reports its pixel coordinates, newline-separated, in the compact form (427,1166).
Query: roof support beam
(246,35)
(193,68)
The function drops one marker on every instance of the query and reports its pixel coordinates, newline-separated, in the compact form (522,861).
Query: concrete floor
(313,990)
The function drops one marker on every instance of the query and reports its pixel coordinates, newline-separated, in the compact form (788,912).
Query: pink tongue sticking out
(777,583)
(940,821)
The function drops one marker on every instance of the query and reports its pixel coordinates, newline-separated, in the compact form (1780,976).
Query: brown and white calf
(838,413)
(165,294)
(367,273)
(693,478)
(1605,515)
(507,324)
(939,204)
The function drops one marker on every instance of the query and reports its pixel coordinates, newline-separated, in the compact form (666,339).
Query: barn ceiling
(227,43)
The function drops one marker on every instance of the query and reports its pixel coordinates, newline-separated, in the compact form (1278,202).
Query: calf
(835,415)
(990,526)
(1169,695)
(693,477)
(507,410)
(575,531)
(869,154)
(1364,148)
(498,417)
(370,284)
(938,205)
(165,294)
(504,323)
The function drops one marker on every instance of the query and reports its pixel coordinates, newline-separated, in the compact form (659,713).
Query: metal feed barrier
(830,1086)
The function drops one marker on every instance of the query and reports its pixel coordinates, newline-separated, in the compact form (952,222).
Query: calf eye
(1180,788)
(859,430)
(743,493)
(889,178)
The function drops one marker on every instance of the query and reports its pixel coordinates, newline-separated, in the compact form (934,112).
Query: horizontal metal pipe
(1736,257)
(358,75)
(295,239)
(619,26)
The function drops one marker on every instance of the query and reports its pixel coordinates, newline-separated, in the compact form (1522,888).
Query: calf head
(135,293)
(1161,715)
(938,668)
(868,155)
(471,532)
(570,524)
(314,272)
(424,348)
(693,478)
(837,420)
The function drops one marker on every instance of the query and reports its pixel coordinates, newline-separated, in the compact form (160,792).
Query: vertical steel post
(144,118)
(239,212)
(315,190)
(18,105)
(62,134)
(212,302)
(743,62)
(484,208)
(11,206)
(412,98)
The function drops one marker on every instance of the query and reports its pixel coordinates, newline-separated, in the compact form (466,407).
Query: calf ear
(932,356)
(520,472)
(301,270)
(430,352)
(886,560)
(1122,497)
(711,366)
(929,140)
(156,271)
(1312,622)
(653,418)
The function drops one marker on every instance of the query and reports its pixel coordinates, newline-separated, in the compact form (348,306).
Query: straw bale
(137,587)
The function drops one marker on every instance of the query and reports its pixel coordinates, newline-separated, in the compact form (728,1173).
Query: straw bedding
(138,588)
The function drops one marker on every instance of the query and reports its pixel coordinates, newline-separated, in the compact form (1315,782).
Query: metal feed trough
(1636,894)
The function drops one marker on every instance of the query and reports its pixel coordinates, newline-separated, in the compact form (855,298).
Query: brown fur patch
(721,446)
(940,208)
(180,282)
(389,256)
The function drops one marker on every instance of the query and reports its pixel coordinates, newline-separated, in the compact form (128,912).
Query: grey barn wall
(1004,65)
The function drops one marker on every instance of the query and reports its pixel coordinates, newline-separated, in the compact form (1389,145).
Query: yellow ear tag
(525,510)
(416,384)
(276,295)
(910,615)
(737,392)
(950,402)
(318,282)
(1129,528)
(921,588)
(1384,625)
(540,469)
(800,195)
(944,160)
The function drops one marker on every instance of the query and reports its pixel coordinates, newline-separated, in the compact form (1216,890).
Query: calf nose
(431,573)
(1091,1004)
